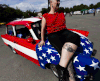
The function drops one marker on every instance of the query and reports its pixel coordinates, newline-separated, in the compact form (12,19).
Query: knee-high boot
(62,73)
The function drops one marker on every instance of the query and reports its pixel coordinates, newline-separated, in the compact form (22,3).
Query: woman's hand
(41,44)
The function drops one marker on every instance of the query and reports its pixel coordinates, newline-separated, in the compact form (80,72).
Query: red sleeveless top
(54,22)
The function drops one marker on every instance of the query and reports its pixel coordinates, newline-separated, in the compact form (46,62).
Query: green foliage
(8,14)
(44,10)
(91,6)
(61,9)
(19,13)
(67,10)
(98,4)
(71,9)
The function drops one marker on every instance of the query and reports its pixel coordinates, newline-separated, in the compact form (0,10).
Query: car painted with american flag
(23,36)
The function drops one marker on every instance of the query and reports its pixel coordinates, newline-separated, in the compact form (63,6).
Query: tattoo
(72,79)
(69,48)
(71,71)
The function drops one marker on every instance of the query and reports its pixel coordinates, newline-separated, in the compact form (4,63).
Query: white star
(87,42)
(44,54)
(40,57)
(82,37)
(53,58)
(58,55)
(95,65)
(81,68)
(82,44)
(48,43)
(40,48)
(48,60)
(54,50)
(49,51)
(90,49)
(75,59)
(87,51)
(42,64)
(79,77)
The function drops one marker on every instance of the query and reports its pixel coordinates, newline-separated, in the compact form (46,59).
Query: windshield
(37,29)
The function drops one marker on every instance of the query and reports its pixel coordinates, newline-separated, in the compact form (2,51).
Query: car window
(22,32)
(37,29)
(10,30)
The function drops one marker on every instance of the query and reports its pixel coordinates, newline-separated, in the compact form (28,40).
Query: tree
(8,14)
(44,10)
(97,5)
(86,7)
(67,10)
(71,9)
(91,6)
(19,13)
(61,9)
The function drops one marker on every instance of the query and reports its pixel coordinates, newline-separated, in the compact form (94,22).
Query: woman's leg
(67,52)
(71,71)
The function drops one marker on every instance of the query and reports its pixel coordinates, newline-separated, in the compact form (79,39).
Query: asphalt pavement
(14,67)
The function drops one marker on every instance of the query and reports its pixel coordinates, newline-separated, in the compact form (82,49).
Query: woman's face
(55,4)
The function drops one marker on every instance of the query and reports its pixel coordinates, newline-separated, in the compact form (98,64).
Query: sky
(37,5)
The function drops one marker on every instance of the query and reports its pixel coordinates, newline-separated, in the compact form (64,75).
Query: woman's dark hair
(48,1)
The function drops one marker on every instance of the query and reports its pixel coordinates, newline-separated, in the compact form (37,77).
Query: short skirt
(57,39)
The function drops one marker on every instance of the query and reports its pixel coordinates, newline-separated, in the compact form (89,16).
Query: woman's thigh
(56,42)
(70,36)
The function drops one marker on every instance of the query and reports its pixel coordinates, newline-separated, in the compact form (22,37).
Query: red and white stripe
(23,51)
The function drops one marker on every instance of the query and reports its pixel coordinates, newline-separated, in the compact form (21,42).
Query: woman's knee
(70,47)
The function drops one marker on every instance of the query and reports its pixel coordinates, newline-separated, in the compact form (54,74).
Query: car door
(25,45)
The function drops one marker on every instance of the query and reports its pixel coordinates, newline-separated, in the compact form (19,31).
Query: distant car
(77,12)
(2,23)
(23,36)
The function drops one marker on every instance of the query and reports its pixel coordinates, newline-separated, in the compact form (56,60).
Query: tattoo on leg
(69,48)
(71,71)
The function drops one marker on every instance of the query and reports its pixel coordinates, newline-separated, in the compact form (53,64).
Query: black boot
(62,73)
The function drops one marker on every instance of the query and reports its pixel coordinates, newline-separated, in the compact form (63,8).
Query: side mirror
(29,40)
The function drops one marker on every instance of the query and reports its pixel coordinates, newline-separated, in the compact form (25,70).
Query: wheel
(94,52)
(53,69)
(13,50)
(92,43)
(89,78)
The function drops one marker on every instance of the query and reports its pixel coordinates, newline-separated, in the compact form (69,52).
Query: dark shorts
(57,39)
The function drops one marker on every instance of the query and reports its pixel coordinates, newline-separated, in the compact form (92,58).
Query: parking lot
(14,67)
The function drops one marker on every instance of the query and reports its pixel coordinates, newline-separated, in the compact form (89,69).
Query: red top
(54,22)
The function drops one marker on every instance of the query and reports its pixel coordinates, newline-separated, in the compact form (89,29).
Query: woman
(64,41)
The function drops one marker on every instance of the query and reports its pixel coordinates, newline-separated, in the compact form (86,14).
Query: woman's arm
(43,28)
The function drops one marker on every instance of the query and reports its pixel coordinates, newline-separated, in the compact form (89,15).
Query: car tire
(53,69)
(92,43)
(13,50)
(94,52)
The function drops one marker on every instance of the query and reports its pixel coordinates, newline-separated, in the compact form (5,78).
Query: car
(3,23)
(77,13)
(23,36)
